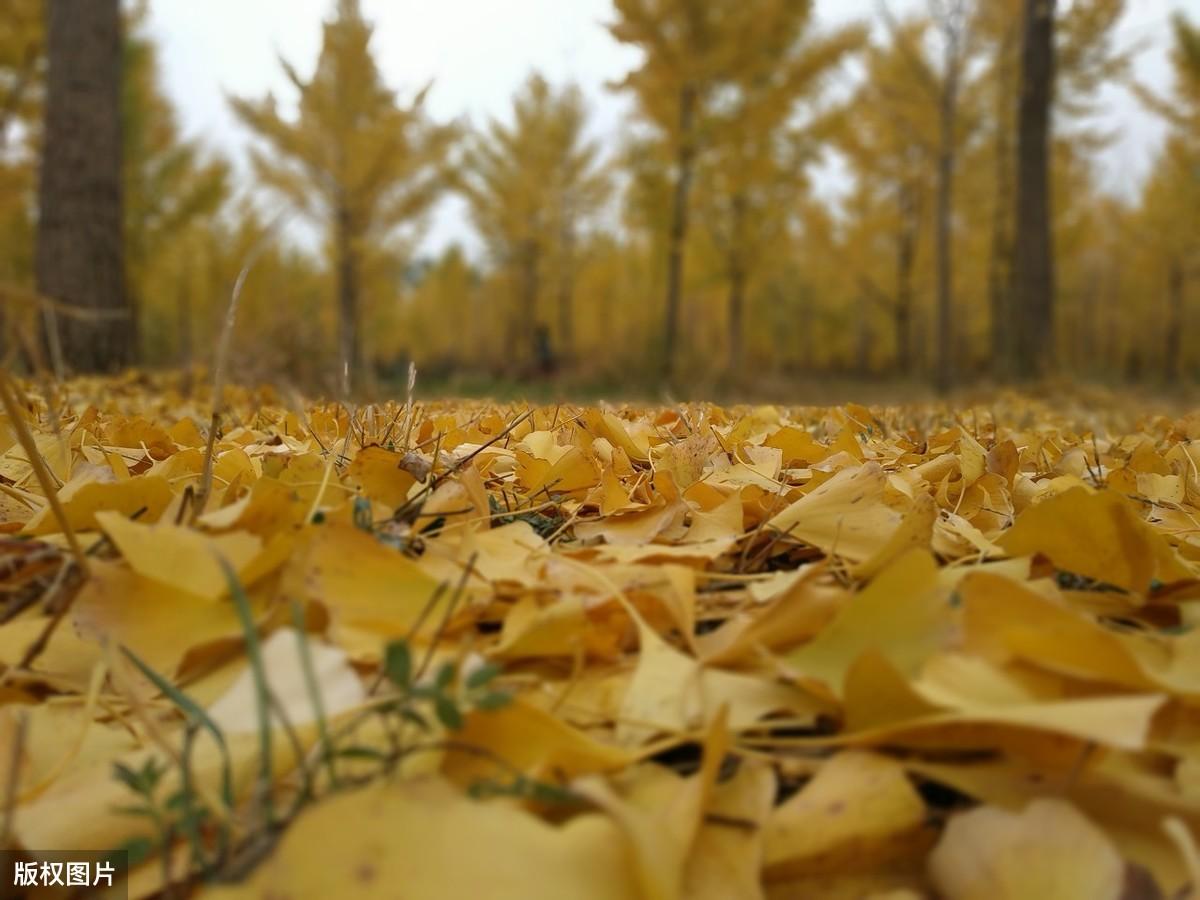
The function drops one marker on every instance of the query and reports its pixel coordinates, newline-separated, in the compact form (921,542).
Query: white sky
(479,51)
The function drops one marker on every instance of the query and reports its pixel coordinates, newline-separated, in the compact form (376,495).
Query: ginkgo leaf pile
(615,652)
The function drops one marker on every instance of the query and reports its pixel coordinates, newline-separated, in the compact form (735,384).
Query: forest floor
(483,648)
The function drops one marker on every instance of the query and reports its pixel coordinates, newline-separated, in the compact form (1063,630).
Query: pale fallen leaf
(1047,850)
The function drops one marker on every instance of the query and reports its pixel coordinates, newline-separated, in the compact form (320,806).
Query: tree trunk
(186,343)
(737,287)
(944,375)
(1033,263)
(79,258)
(349,337)
(1085,338)
(863,340)
(805,315)
(906,254)
(685,163)
(530,287)
(1173,351)
(566,296)
(737,304)
(1109,357)
(1000,256)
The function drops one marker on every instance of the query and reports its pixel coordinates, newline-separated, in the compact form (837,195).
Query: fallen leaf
(1047,850)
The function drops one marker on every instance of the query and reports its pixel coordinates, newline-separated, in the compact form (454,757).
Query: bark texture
(80,255)
(1033,261)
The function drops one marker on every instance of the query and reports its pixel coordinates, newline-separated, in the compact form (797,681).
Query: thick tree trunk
(1033,263)
(906,254)
(349,337)
(685,164)
(79,259)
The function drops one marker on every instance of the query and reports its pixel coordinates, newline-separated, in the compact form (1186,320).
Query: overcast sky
(479,51)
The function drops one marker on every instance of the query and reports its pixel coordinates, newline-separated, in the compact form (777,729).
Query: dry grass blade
(221,359)
(40,469)
(13,780)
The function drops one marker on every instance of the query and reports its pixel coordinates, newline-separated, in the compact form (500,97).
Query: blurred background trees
(354,159)
(171,188)
(972,238)
(532,188)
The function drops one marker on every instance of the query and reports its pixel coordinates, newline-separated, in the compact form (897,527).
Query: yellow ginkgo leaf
(727,856)
(1003,616)
(638,527)
(798,446)
(964,701)
(661,813)
(82,498)
(1096,534)
(533,741)
(915,530)
(858,811)
(162,626)
(377,473)
(423,838)
(903,614)
(670,692)
(845,516)
(180,557)
(616,432)
(802,604)
(532,630)
(365,585)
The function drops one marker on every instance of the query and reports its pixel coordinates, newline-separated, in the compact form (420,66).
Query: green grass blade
(262,698)
(314,692)
(194,713)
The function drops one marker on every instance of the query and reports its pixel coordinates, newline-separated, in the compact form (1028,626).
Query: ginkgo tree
(169,182)
(939,53)
(1168,225)
(1081,37)
(354,158)
(885,131)
(690,48)
(532,185)
(759,153)
(893,132)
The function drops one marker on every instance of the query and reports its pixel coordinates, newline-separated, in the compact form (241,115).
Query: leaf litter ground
(463,649)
